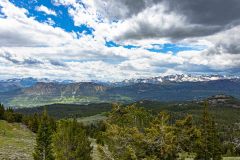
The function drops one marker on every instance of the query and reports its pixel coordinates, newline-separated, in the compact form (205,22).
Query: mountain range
(31,92)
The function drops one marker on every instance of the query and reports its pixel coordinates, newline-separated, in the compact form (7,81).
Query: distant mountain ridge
(18,83)
(32,92)
(179,78)
(159,79)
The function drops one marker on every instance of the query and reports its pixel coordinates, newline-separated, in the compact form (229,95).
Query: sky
(114,40)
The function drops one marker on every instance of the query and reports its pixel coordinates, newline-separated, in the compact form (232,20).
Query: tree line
(129,133)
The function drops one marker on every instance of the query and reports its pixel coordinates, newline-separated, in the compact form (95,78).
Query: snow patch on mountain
(179,78)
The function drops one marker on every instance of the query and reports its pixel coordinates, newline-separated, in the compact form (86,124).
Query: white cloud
(62,55)
(86,14)
(63,2)
(46,10)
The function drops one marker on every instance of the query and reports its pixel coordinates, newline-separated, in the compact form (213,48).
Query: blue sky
(62,20)
(114,40)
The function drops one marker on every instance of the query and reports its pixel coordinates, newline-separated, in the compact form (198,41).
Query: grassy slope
(16,141)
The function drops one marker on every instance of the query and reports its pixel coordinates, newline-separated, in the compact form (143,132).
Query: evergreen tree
(124,133)
(160,138)
(129,116)
(33,123)
(9,109)
(187,134)
(71,142)
(216,147)
(8,115)
(2,110)
(209,146)
(43,148)
(236,139)
(125,143)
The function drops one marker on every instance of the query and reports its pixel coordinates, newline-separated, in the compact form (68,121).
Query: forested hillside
(196,130)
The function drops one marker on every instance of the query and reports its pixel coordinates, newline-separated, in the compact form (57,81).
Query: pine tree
(2,110)
(187,134)
(43,148)
(209,146)
(216,147)
(125,143)
(9,115)
(129,116)
(71,142)
(161,140)
(124,133)
(33,123)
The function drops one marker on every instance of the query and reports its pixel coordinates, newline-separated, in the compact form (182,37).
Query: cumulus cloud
(46,10)
(115,10)
(17,29)
(32,48)
(156,22)
(226,42)
(170,18)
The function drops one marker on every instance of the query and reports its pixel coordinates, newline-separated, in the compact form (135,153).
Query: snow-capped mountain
(179,78)
(28,82)
(35,92)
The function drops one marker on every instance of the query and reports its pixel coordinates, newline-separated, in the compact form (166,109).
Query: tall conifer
(43,148)
(2,110)
(209,146)
(71,142)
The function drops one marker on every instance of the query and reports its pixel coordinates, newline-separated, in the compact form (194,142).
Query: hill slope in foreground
(16,141)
